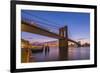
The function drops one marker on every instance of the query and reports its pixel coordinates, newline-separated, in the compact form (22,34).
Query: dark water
(81,53)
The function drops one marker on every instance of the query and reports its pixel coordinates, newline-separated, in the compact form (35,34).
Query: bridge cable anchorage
(43,19)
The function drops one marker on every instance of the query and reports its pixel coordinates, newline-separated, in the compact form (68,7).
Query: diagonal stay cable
(43,19)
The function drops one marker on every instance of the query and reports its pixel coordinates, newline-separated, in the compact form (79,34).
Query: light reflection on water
(80,53)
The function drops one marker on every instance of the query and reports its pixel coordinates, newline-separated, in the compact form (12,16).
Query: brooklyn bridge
(31,26)
(62,36)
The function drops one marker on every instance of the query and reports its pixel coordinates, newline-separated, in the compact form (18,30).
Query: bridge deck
(37,30)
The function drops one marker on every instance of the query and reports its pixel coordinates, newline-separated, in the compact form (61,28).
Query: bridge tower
(79,44)
(63,32)
(63,43)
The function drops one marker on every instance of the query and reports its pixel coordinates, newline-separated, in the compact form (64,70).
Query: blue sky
(78,23)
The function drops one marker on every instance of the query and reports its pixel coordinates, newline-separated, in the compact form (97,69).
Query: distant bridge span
(37,30)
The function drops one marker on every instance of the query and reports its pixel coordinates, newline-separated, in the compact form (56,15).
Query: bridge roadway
(37,30)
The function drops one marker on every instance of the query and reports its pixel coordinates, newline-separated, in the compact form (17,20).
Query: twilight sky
(78,24)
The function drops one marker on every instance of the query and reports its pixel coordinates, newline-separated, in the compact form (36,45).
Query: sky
(78,24)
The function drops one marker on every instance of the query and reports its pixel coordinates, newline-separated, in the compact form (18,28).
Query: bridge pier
(63,43)
(79,44)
